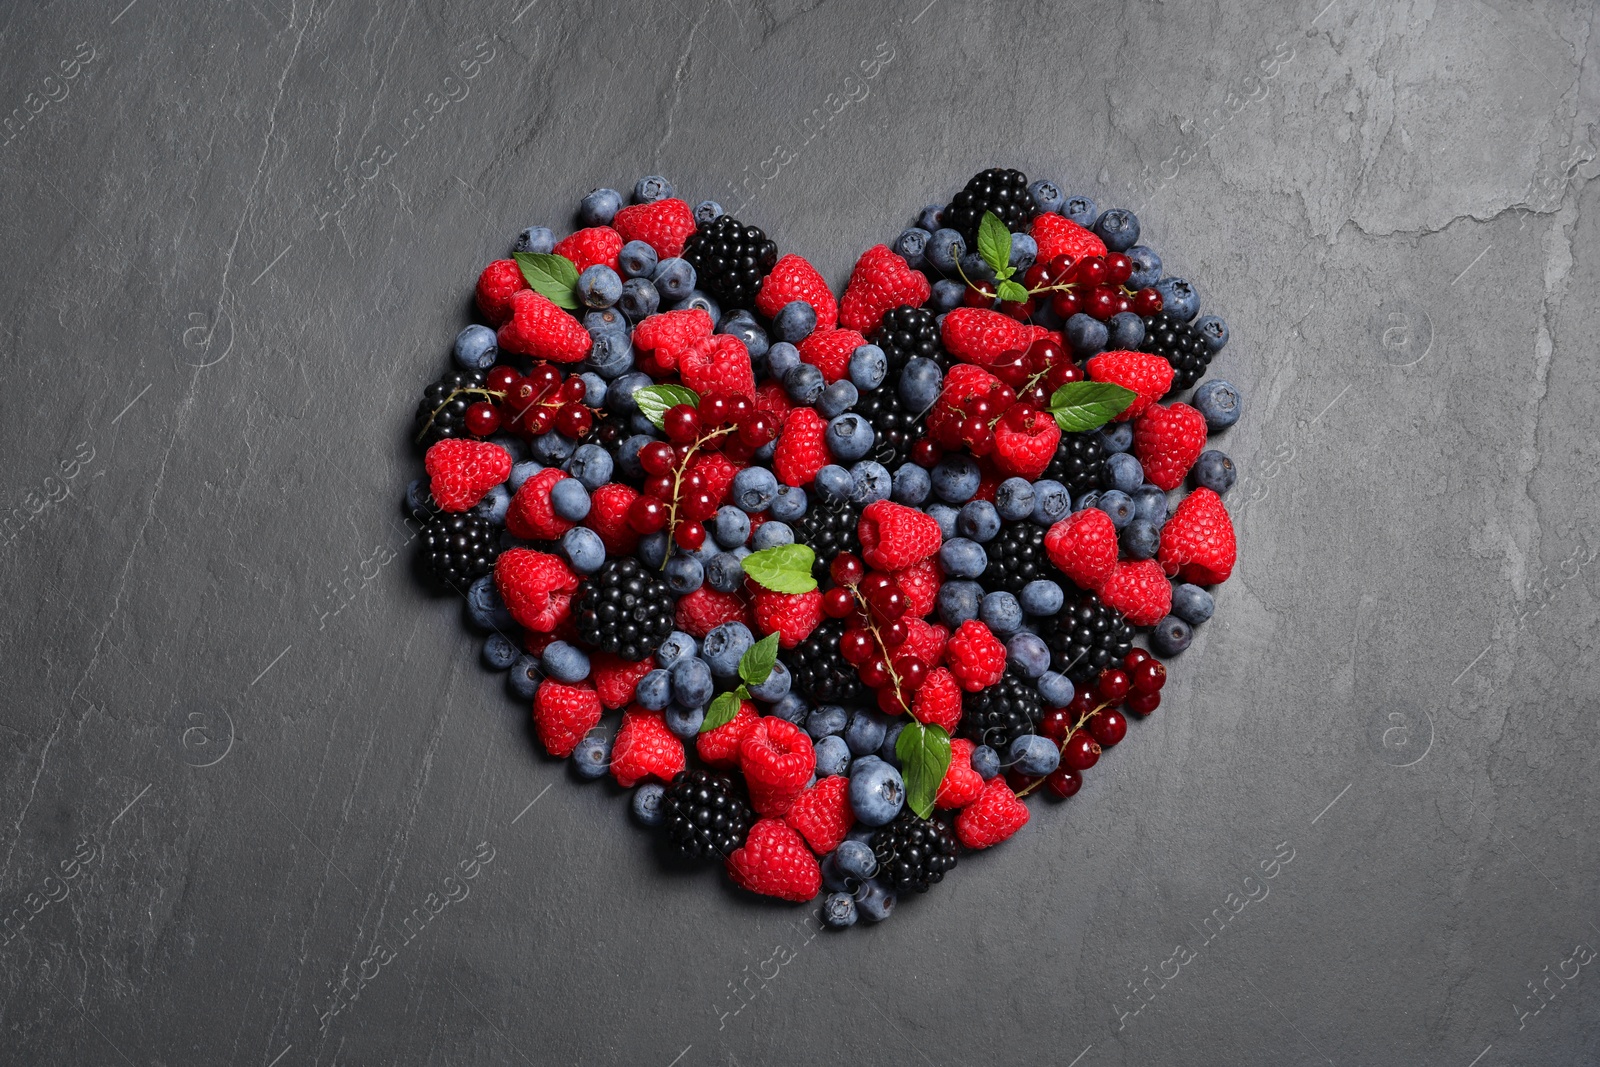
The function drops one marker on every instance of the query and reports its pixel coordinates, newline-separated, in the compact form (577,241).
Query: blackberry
(1004,192)
(1016,557)
(1076,463)
(437,417)
(913,853)
(819,669)
(905,332)
(829,530)
(1001,713)
(627,609)
(1088,637)
(895,429)
(1178,343)
(459,547)
(703,815)
(730,260)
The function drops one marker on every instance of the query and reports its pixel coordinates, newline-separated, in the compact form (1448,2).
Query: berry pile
(831,582)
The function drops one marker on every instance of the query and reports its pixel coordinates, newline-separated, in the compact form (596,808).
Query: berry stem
(883,649)
(677,485)
(1091,713)
(469,390)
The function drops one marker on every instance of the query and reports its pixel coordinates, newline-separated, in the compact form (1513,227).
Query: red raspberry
(791,279)
(823,814)
(1139,590)
(1084,547)
(893,536)
(984,337)
(720,747)
(775,862)
(802,449)
(608,517)
(920,583)
(792,616)
(1025,446)
(1167,441)
(939,700)
(975,656)
(499,281)
(1149,376)
(666,335)
(1197,543)
(562,714)
(704,609)
(881,280)
(718,366)
(461,471)
(1058,236)
(961,785)
(925,640)
(531,516)
(597,244)
(540,329)
(718,472)
(616,678)
(645,748)
(994,816)
(536,586)
(963,383)
(829,351)
(777,760)
(664,225)
(772,401)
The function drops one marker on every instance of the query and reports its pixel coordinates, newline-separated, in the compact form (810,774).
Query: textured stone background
(235,251)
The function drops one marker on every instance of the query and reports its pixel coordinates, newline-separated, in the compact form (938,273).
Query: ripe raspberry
(1058,236)
(562,714)
(802,448)
(531,515)
(961,785)
(461,471)
(975,656)
(1149,376)
(499,281)
(775,862)
(881,280)
(984,337)
(777,760)
(1025,444)
(772,401)
(792,616)
(608,517)
(939,700)
(1197,543)
(536,586)
(664,225)
(893,536)
(993,817)
(717,472)
(925,640)
(597,244)
(791,279)
(920,583)
(645,748)
(616,678)
(705,609)
(1084,546)
(829,351)
(666,335)
(718,366)
(1139,590)
(1167,441)
(720,747)
(822,814)
(540,329)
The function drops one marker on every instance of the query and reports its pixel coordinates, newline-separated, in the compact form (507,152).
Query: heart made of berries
(854,576)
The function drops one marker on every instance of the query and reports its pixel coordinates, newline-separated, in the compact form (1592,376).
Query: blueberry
(650,188)
(948,295)
(804,384)
(963,558)
(839,911)
(868,367)
(1080,209)
(498,652)
(647,803)
(782,358)
(877,792)
(1087,335)
(1001,613)
(722,648)
(1052,502)
(476,348)
(1047,196)
(1024,250)
(978,520)
(1178,298)
(723,573)
(707,212)
(838,398)
(594,389)
(683,722)
(654,690)
(944,250)
(1118,228)
(1126,331)
(865,733)
(599,207)
(920,384)
(772,534)
(583,549)
(564,662)
(524,677)
(1033,755)
(521,472)
(691,681)
(875,902)
(912,245)
(958,601)
(827,720)
(639,299)
(637,260)
(754,489)
(911,485)
(610,356)
(1014,499)
(833,756)
(599,286)
(1192,604)
(975,267)
(1118,505)
(699,300)
(1086,501)
(539,240)
(849,436)
(986,761)
(1116,436)
(792,708)
(1171,636)
(794,322)
(789,504)
(419,502)
(674,278)
(515,446)
(1213,332)
(1146,267)
(569,499)
(834,484)
(945,516)
(1121,471)
(1150,504)
(677,645)
(494,505)
(553,449)
(871,482)
(776,686)
(485,608)
(749,333)
(731,526)
(956,478)
(685,574)
(1056,689)
(930,217)
(592,758)
(1215,471)
(653,550)
(1042,598)
(1218,401)
(891,739)
(605,320)
(1141,539)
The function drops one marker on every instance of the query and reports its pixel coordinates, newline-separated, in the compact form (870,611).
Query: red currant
(1149,676)
(573,390)
(501,378)
(646,515)
(689,535)
(1066,304)
(875,673)
(1020,310)
(857,646)
(1060,265)
(699,505)
(1112,686)
(681,423)
(658,486)
(1101,303)
(482,419)
(1064,782)
(1146,302)
(837,603)
(520,395)
(656,458)
(574,420)
(846,569)
(545,377)
(756,430)
(893,635)
(1108,727)
(926,452)
(1091,272)
(1142,703)
(1119,268)
(888,604)
(1019,781)
(1036,276)
(539,420)
(1135,657)
(979,294)
(1056,724)
(1082,701)
(912,672)
(1081,752)
(717,411)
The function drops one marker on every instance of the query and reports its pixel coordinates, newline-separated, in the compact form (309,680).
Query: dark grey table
(246,765)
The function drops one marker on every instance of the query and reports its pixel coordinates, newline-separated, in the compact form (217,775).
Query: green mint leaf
(994,242)
(654,400)
(551,276)
(1080,406)
(755,666)
(924,752)
(1012,291)
(723,709)
(782,568)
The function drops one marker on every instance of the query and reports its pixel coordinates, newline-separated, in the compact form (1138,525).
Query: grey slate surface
(239,237)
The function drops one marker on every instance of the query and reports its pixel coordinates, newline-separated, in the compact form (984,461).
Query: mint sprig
(1080,406)
(655,400)
(994,245)
(723,709)
(924,751)
(551,276)
(755,667)
(782,568)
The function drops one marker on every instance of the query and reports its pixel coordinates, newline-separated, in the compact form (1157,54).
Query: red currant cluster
(1021,395)
(1091,723)
(675,494)
(531,404)
(876,631)
(1094,285)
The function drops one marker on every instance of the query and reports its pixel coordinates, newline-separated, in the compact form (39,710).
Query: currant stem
(469,390)
(883,649)
(677,483)
(1091,713)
